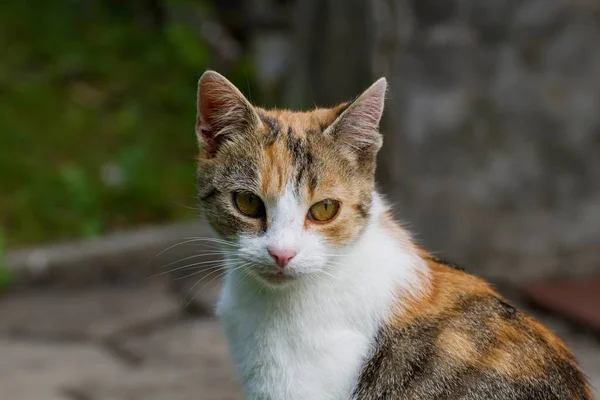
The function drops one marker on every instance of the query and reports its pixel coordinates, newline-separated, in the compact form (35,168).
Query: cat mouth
(276,277)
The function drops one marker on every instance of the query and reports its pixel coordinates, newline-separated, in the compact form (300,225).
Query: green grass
(96,120)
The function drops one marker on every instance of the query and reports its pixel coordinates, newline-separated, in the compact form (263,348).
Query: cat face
(291,189)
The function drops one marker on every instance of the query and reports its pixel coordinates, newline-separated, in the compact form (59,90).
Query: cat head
(290,190)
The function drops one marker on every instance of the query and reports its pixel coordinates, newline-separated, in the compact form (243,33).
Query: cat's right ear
(222,113)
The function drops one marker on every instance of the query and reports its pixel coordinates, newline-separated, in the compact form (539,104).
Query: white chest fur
(296,357)
(309,341)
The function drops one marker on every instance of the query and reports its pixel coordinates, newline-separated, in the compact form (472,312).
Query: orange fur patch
(444,287)
(557,344)
(303,122)
(458,346)
(276,169)
(517,350)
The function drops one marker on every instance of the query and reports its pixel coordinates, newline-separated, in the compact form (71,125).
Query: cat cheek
(337,234)
(342,231)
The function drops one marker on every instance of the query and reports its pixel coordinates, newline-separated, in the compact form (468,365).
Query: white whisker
(214,240)
(202,269)
(187,266)
(207,283)
(210,253)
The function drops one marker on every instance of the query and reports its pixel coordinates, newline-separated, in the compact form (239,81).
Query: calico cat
(326,296)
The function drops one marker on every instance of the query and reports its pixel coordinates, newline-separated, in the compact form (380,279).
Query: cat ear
(358,125)
(222,112)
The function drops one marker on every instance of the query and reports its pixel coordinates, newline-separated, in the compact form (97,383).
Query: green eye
(249,204)
(324,210)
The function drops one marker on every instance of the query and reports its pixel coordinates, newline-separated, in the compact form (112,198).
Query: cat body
(326,296)
(310,341)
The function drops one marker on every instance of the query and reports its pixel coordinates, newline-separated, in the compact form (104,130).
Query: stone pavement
(109,343)
(134,343)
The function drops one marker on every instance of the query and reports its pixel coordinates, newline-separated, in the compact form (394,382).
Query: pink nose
(282,256)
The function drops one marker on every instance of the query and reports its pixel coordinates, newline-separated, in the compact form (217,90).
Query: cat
(326,297)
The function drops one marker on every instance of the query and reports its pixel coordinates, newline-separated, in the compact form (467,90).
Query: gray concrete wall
(492,127)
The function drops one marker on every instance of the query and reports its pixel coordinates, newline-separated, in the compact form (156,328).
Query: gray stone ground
(133,343)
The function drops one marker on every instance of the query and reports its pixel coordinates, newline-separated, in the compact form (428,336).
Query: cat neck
(372,274)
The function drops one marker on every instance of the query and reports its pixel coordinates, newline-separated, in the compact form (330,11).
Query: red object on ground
(577,300)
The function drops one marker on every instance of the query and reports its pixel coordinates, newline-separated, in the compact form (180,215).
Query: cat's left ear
(357,126)
(222,113)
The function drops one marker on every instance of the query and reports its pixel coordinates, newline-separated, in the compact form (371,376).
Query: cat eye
(324,210)
(249,204)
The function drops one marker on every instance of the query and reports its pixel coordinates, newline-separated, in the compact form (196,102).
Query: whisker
(245,276)
(222,265)
(185,266)
(193,208)
(217,276)
(218,267)
(214,240)
(213,253)
(199,281)
(212,245)
(337,264)
(329,275)
(169,248)
(262,286)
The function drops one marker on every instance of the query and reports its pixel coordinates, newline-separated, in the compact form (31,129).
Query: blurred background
(491,156)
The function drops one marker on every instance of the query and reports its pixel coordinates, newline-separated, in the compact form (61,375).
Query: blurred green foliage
(96,119)
(7,276)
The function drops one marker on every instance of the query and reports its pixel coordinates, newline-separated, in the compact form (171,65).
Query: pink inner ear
(358,125)
(369,106)
(211,143)
(209,108)
(222,112)
(212,103)
(372,111)
(206,134)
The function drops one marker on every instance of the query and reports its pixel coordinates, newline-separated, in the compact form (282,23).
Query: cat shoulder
(460,336)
